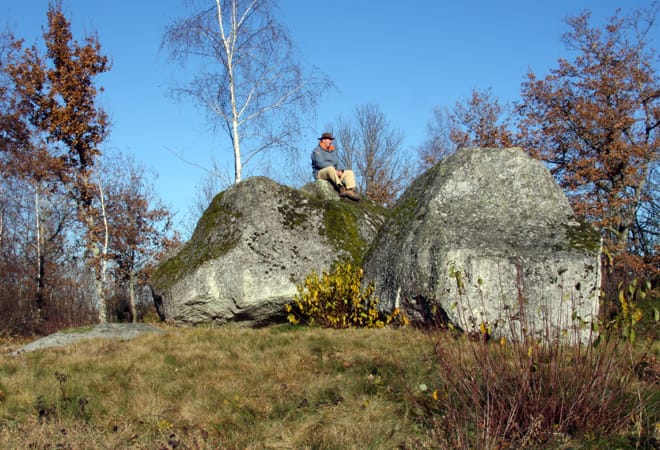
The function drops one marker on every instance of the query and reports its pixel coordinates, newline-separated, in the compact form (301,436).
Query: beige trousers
(329,173)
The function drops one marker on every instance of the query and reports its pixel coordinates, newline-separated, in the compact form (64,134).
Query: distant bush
(338,300)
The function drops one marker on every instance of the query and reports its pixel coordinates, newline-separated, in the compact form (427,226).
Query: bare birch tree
(251,87)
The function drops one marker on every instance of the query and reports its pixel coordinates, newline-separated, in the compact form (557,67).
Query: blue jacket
(322,158)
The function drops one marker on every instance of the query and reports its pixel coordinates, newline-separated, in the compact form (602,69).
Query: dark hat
(326,136)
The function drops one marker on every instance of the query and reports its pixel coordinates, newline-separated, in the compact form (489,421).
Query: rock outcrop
(487,241)
(253,244)
(70,336)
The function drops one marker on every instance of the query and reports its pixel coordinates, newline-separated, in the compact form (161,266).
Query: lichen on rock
(487,237)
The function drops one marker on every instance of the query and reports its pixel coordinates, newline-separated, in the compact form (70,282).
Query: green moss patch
(78,330)
(211,239)
(583,237)
(341,229)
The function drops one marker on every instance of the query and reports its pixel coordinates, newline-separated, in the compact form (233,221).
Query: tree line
(80,227)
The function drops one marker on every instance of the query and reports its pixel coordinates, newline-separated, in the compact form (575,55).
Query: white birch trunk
(131,296)
(37,219)
(229,43)
(40,248)
(101,255)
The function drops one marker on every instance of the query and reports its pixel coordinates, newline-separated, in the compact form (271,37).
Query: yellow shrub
(337,300)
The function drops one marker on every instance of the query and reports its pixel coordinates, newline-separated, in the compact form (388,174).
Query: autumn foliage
(79,227)
(70,237)
(594,121)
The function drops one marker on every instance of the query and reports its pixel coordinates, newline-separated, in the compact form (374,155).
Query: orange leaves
(480,121)
(55,100)
(592,121)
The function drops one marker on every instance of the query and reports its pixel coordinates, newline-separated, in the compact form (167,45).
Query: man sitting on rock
(324,165)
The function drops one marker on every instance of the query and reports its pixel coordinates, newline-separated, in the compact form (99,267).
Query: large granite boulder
(253,244)
(486,240)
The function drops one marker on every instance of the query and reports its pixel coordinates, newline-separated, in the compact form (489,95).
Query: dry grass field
(287,387)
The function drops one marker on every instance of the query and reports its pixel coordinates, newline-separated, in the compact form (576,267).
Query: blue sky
(406,59)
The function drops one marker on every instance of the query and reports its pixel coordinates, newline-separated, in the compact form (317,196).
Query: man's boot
(348,193)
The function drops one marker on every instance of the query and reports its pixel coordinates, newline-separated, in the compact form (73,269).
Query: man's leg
(348,179)
(329,173)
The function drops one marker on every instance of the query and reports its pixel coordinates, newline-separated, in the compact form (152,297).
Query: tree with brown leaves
(59,128)
(595,121)
(478,121)
(57,191)
(138,225)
